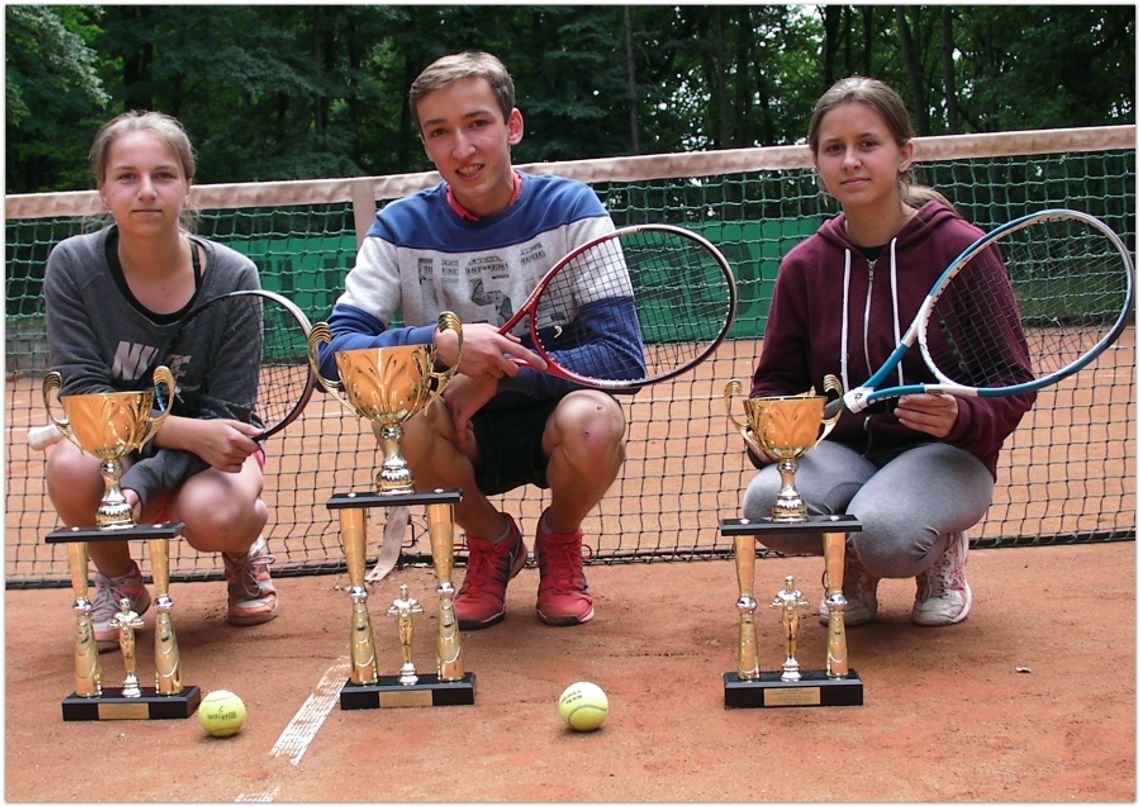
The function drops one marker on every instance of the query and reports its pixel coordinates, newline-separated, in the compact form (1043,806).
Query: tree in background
(51,82)
(304,91)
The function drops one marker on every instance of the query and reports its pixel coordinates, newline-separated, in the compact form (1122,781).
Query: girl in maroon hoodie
(916,471)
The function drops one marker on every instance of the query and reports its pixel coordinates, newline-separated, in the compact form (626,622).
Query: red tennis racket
(637,306)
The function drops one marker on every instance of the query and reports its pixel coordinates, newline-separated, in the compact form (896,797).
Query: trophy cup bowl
(110,425)
(387,385)
(784,427)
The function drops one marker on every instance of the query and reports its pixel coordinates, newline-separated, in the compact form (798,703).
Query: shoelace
(108,592)
(248,570)
(564,565)
(480,569)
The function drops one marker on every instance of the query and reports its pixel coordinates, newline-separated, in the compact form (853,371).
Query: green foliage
(50,84)
(299,91)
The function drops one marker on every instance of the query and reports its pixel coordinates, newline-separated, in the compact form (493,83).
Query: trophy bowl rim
(420,346)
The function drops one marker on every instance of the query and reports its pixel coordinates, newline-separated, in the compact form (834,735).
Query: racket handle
(832,408)
(40,437)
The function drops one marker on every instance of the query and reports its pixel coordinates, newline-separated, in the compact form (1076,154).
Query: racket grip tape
(832,408)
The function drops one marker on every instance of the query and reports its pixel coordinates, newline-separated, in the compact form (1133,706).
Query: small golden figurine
(790,601)
(403,607)
(127,621)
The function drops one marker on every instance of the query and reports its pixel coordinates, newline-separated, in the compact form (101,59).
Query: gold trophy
(110,425)
(366,688)
(784,428)
(387,385)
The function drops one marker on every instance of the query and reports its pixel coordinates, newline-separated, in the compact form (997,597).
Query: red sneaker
(562,597)
(481,600)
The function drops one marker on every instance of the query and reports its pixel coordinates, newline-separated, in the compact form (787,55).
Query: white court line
(295,739)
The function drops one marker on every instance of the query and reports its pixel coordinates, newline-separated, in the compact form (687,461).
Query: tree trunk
(949,83)
(631,79)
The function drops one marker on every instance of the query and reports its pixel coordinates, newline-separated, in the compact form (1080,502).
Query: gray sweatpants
(908,507)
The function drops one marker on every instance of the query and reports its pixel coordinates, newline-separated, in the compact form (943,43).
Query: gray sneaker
(943,596)
(860,590)
(105,603)
(251,595)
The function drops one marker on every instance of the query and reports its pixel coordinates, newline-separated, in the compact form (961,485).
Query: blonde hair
(163,126)
(889,106)
(446,70)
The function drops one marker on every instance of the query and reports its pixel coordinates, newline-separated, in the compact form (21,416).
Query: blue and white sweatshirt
(420,257)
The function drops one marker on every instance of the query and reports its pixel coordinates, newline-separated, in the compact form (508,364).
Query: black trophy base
(813,689)
(163,529)
(111,705)
(388,693)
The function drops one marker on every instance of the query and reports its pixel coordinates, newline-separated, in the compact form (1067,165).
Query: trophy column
(837,684)
(169,698)
(366,688)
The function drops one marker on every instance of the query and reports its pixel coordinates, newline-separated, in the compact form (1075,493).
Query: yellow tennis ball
(221,713)
(583,706)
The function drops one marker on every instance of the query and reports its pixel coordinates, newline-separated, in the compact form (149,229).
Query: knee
(589,425)
(218,519)
(888,549)
(759,497)
(72,477)
(429,440)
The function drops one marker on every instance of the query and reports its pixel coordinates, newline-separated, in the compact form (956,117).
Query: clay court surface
(1031,699)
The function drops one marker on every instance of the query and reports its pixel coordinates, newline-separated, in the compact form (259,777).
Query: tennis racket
(634,307)
(263,322)
(1026,305)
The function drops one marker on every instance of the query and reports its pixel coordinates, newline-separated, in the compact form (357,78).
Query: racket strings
(661,287)
(256,331)
(1057,292)
(285,371)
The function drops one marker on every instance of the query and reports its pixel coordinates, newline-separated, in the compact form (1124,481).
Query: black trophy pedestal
(813,689)
(111,705)
(163,529)
(388,692)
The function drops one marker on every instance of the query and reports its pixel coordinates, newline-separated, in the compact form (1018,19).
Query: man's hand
(931,412)
(463,397)
(486,352)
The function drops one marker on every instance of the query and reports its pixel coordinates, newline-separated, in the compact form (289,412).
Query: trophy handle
(162,378)
(449,321)
(731,390)
(54,381)
(320,334)
(831,383)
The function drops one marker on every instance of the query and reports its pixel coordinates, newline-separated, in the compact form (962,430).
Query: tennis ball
(583,706)
(221,713)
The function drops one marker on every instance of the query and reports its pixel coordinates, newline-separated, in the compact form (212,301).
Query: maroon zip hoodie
(833,311)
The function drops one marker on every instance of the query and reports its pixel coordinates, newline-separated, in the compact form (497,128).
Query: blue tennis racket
(1026,305)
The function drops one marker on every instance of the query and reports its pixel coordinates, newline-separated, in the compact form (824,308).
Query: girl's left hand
(225,444)
(932,412)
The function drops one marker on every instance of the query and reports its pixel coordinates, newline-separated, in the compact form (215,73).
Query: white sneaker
(860,591)
(943,596)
